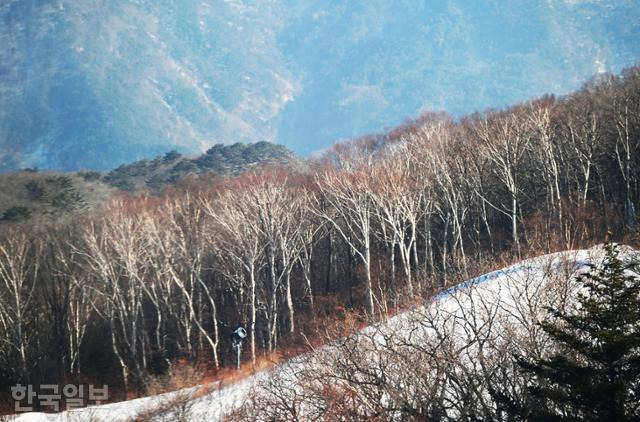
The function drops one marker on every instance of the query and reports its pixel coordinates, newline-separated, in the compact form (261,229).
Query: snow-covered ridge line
(503,288)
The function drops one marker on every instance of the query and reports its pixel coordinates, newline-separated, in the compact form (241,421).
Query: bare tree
(505,140)
(626,111)
(347,205)
(582,133)
(279,209)
(183,254)
(69,299)
(238,236)
(114,251)
(19,265)
(397,198)
(443,361)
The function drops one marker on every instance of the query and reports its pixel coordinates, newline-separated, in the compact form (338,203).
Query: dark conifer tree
(595,372)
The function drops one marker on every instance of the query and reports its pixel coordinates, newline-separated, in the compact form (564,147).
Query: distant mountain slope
(94,84)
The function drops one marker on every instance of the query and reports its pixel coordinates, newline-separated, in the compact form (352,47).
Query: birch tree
(581,129)
(186,267)
(397,199)
(113,250)
(19,267)
(234,220)
(347,205)
(280,211)
(626,113)
(505,141)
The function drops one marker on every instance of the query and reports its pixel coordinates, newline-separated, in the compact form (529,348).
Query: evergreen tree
(594,375)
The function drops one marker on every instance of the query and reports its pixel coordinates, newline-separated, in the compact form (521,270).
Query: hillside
(98,84)
(302,210)
(381,224)
(500,305)
(223,160)
(33,194)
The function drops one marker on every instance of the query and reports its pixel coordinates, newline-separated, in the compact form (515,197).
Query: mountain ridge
(32,193)
(97,84)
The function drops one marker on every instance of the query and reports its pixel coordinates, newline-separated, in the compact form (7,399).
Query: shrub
(35,191)
(16,214)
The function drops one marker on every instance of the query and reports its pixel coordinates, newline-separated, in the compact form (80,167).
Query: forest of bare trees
(126,292)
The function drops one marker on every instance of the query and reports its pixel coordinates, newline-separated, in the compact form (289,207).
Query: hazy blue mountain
(93,84)
(97,83)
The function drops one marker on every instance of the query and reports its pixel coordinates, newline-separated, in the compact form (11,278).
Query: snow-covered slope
(503,302)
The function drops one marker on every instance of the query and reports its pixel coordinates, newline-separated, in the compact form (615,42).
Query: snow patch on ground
(506,290)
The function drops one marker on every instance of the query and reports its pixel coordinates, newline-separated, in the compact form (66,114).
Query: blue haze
(92,84)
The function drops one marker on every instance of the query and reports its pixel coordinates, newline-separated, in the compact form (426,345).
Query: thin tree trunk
(252,323)
(290,304)
(367,264)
